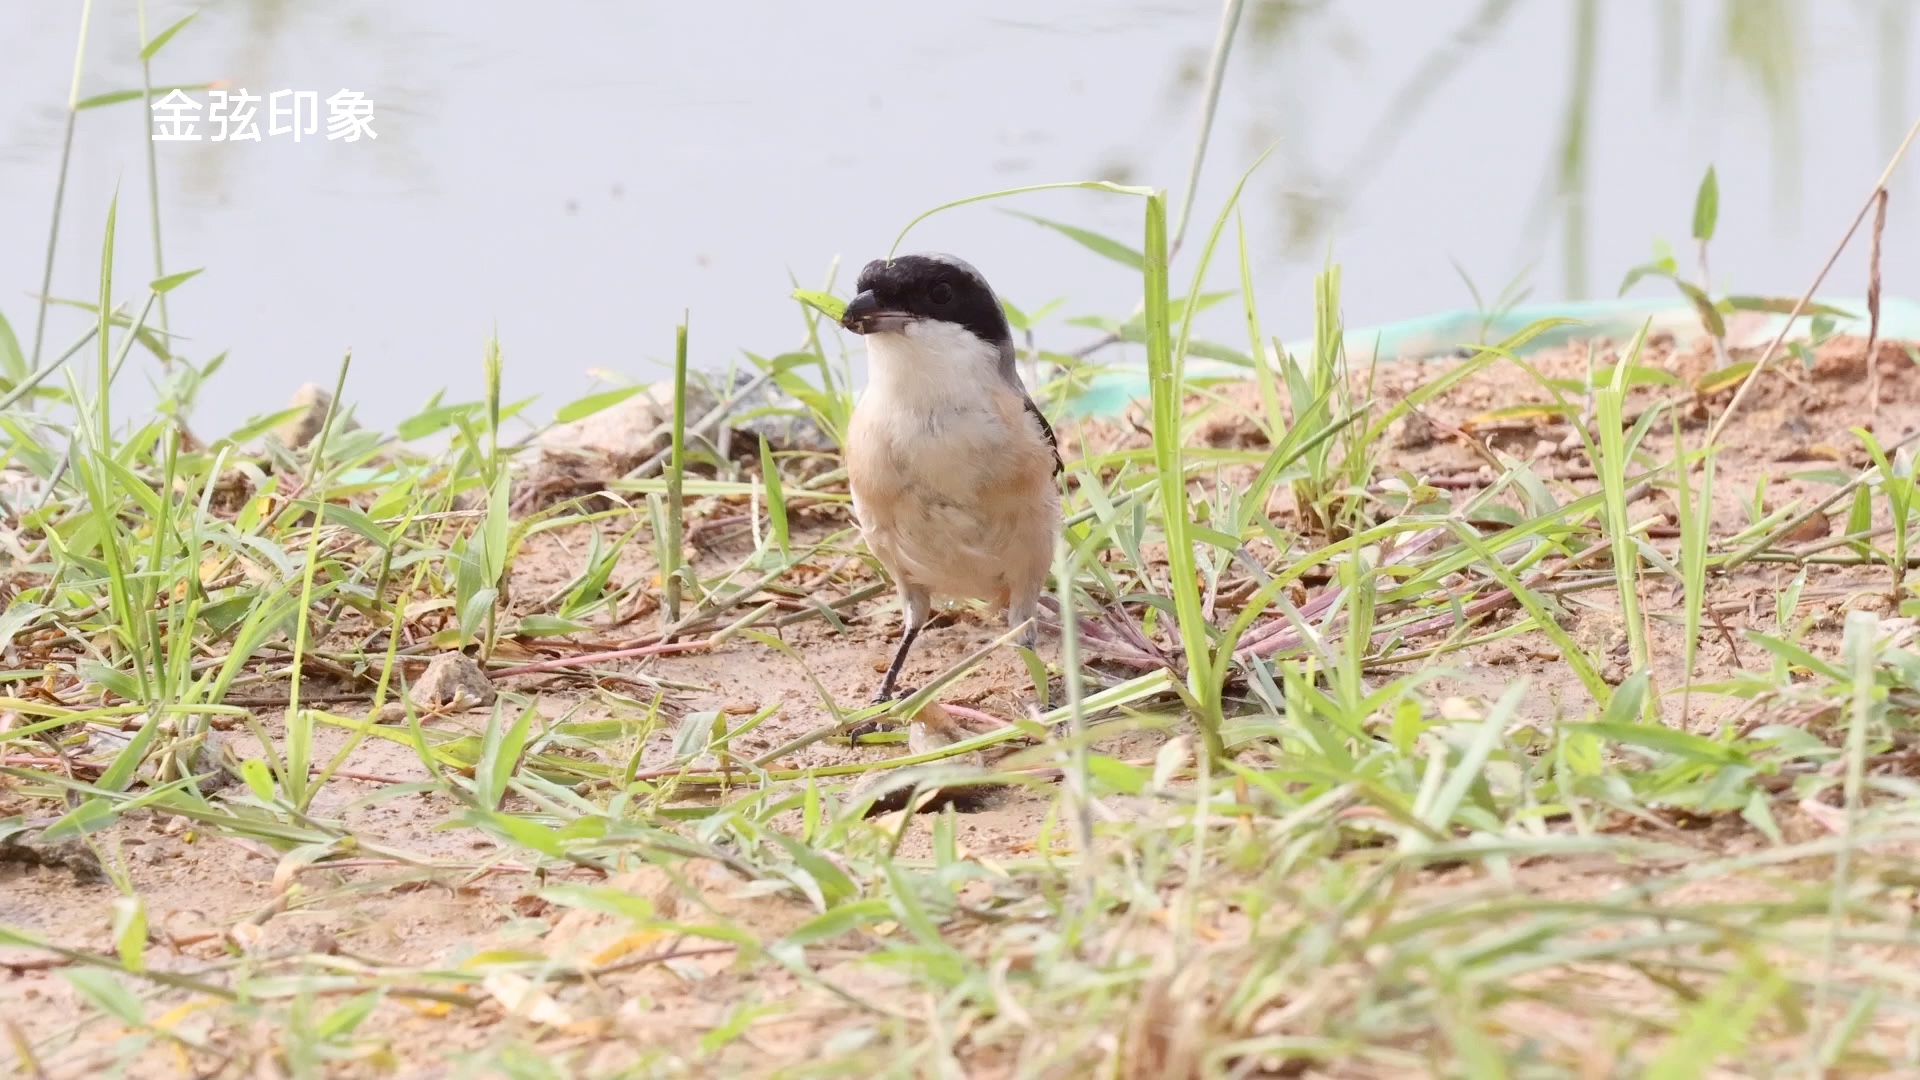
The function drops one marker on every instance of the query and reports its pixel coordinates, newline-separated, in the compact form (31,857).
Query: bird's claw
(882,696)
(875,726)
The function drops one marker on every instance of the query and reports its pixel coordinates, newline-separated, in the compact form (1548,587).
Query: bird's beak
(865,315)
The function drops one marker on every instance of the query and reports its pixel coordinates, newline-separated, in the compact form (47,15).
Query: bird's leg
(916,604)
(885,693)
(1021,595)
(1025,609)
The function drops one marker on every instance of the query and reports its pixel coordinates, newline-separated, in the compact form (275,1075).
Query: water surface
(578,173)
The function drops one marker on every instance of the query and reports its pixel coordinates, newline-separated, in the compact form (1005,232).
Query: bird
(954,471)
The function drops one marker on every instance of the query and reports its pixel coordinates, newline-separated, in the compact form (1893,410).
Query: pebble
(453,682)
(303,429)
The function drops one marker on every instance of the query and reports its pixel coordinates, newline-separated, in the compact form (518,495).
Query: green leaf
(1473,759)
(1092,241)
(528,834)
(908,908)
(1015,317)
(825,303)
(1110,774)
(430,419)
(1706,206)
(593,403)
(1087,185)
(260,425)
(1528,411)
(776,498)
(474,611)
(548,626)
(129,483)
(117,96)
(172,281)
(113,98)
(835,885)
(1717,1025)
(500,753)
(344,1020)
(117,682)
(810,812)
(106,994)
(1795,654)
(697,732)
(1682,744)
(13,362)
(601,898)
(165,36)
(341,514)
(259,779)
(1662,267)
(14,618)
(130,932)
(836,921)
(120,775)
(499,526)
(90,816)
(1628,699)
(1709,315)
(1781,305)
(1726,378)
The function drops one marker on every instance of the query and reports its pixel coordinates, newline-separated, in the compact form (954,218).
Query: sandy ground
(206,895)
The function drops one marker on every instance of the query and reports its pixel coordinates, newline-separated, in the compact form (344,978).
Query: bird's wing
(1046,430)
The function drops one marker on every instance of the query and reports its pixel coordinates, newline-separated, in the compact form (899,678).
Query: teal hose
(1438,335)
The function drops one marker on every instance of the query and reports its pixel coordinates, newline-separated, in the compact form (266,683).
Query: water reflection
(1758,46)
(580,174)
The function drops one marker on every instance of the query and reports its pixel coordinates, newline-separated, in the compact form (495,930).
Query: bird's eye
(940,293)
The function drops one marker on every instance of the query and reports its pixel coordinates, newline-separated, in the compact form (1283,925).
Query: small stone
(303,429)
(932,728)
(205,755)
(1814,528)
(1411,432)
(27,848)
(1877,602)
(624,434)
(452,683)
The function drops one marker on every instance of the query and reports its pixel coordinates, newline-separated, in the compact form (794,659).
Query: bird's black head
(890,295)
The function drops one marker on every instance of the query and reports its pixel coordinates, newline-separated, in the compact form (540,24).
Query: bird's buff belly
(963,551)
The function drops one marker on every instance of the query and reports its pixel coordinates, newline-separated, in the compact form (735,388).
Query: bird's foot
(878,724)
(885,694)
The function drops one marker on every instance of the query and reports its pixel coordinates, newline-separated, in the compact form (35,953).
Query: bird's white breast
(929,366)
(928,407)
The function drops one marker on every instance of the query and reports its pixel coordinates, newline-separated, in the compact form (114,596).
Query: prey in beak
(866,314)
